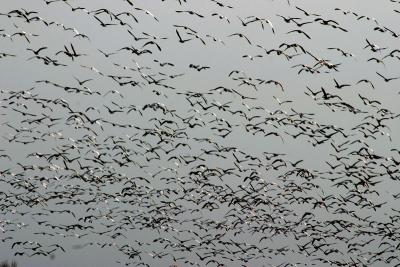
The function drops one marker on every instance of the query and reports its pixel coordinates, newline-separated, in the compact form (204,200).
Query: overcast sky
(22,73)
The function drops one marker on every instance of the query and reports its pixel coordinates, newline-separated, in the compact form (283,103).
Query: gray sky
(21,73)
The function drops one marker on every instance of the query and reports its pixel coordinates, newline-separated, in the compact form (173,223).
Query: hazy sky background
(19,73)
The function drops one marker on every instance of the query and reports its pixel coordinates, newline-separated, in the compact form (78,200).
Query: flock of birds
(120,145)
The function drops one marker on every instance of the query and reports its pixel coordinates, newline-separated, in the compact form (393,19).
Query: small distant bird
(301,32)
(241,35)
(36,52)
(340,86)
(387,79)
(180,38)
